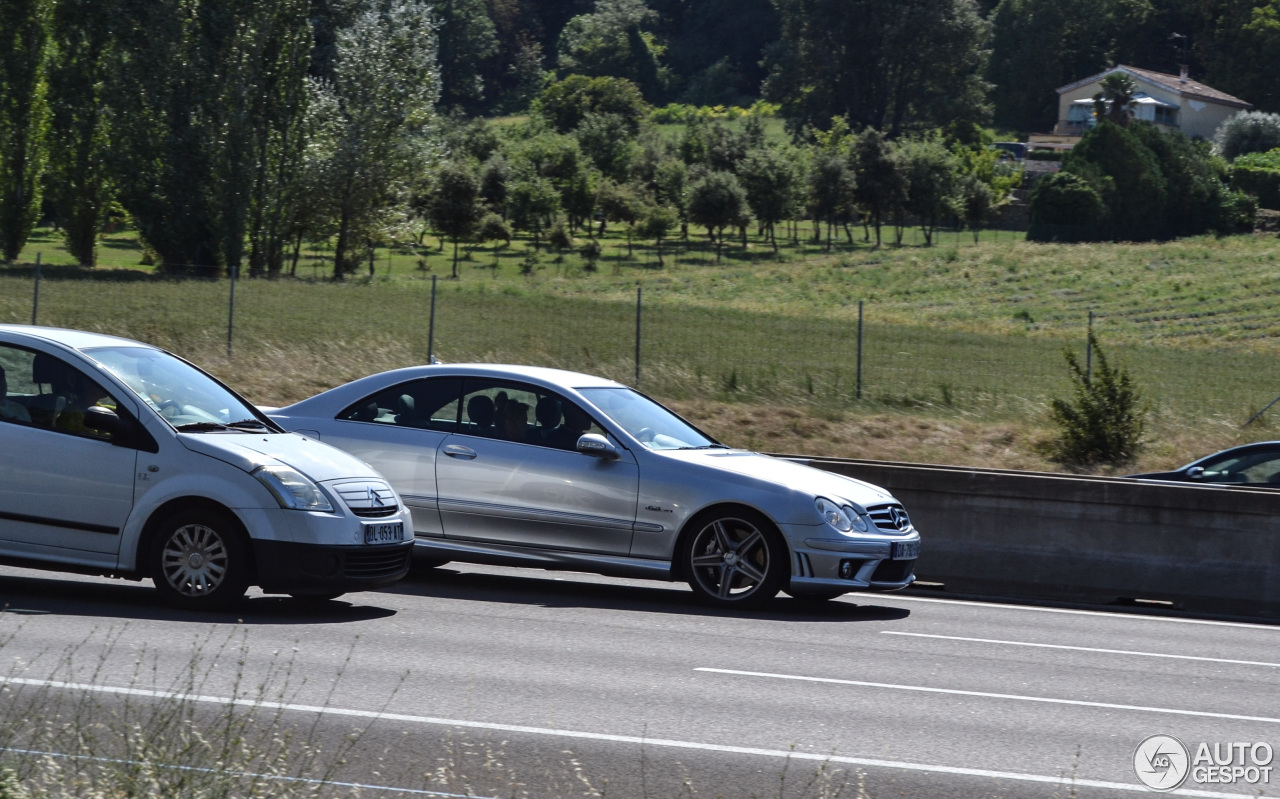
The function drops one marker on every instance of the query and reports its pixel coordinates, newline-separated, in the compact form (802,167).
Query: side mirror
(597,446)
(1195,472)
(103,420)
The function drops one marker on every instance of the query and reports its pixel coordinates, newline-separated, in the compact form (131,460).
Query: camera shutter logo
(1161,762)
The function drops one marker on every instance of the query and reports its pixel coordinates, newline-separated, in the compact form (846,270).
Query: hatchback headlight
(291,488)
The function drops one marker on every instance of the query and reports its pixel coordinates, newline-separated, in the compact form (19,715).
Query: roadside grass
(159,735)
(966,338)
(104,719)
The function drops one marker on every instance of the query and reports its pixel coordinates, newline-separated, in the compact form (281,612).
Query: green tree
(1128,177)
(24,118)
(566,103)
(468,41)
(1247,132)
(974,203)
(1039,45)
(614,40)
(621,203)
(79,186)
(772,180)
(931,172)
(1114,102)
(1104,421)
(378,116)
(831,191)
(890,66)
(196,93)
(717,201)
(880,184)
(532,205)
(608,142)
(1065,207)
(454,207)
(655,223)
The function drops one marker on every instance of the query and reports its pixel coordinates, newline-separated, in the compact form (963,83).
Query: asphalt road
(501,682)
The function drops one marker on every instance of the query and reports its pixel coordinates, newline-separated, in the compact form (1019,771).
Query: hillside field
(963,341)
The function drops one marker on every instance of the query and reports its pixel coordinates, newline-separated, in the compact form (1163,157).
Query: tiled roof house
(1170,101)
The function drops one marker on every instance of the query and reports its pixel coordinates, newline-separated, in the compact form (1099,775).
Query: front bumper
(291,568)
(821,565)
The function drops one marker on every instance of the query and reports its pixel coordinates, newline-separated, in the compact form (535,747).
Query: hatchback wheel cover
(195,560)
(730,558)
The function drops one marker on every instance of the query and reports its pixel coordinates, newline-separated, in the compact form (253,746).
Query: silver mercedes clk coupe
(526,466)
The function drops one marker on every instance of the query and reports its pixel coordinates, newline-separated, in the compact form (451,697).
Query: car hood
(248,451)
(793,475)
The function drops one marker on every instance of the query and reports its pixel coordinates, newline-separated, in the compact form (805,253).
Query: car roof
(536,374)
(75,339)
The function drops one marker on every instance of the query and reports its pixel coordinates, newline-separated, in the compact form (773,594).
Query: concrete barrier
(1096,539)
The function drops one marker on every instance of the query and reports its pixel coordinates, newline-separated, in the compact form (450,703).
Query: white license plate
(384,533)
(905,550)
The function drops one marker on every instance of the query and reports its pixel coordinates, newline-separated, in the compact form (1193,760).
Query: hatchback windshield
(185,396)
(655,426)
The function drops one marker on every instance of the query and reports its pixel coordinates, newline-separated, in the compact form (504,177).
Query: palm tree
(1114,103)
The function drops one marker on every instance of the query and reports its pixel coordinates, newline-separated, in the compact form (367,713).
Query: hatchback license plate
(905,550)
(384,533)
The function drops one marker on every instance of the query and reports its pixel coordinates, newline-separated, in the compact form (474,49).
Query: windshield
(185,396)
(650,423)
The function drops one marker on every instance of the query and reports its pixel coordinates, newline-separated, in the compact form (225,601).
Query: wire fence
(323,333)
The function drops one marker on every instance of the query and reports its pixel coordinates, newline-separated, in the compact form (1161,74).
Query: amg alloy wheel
(735,559)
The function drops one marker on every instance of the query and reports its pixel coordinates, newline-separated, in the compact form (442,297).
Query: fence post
(231,309)
(1088,353)
(431,325)
(35,302)
(639,297)
(859,395)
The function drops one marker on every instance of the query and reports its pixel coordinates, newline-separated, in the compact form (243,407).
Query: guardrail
(1093,539)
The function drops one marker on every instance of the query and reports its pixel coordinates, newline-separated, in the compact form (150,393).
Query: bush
(1261,183)
(1127,175)
(1247,132)
(1103,423)
(1044,155)
(1064,207)
(567,103)
(1237,213)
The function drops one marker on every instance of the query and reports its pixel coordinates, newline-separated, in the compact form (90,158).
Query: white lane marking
(593,736)
(1262,624)
(986,695)
(272,777)
(1083,649)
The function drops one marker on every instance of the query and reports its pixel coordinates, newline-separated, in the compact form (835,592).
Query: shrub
(1237,213)
(1127,174)
(1064,207)
(1044,155)
(1259,174)
(1247,132)
(1104,421)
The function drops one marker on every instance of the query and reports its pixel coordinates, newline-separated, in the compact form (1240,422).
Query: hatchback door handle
(459,451)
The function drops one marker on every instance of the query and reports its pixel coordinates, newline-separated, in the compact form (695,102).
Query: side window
(522,413)
(17,391)
(44,391)
(430,404)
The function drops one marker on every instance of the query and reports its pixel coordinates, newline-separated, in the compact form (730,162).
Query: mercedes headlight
(842,517)
(291,488)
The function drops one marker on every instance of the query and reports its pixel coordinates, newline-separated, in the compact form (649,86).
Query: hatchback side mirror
(103,420)
(597,446)
(1195,472)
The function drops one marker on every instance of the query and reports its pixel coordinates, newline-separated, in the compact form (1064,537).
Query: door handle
(459,451)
